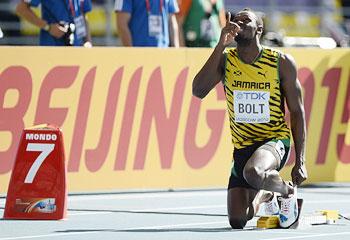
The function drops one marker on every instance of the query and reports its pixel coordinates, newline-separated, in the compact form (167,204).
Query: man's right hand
(299,173)
(229,32)
(57,30)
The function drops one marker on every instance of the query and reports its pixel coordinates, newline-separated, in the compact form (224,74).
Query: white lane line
(176,225)
(112,196)
(205,223)
(88,213)
(125,229)
(327,201)
(49,235)
(88,198)
(96,211)
(147,195)
(179,208)
(145,210)
(308,236)
(270,231)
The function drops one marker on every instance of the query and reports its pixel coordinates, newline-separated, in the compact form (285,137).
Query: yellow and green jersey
(254,98)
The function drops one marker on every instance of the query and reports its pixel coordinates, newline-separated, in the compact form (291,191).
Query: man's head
(251,24)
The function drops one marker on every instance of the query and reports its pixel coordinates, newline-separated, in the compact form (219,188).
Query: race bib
(80,27)
(251,106)
(155,26)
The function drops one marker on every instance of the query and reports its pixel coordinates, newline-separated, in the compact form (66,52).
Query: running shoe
(289,210)
(271,206)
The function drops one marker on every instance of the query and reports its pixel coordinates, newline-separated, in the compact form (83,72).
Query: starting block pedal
(331,215)
(268,222)
(37,188)
(320,217)
(317,218)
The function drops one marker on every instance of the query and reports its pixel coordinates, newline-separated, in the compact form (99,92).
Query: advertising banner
(129,120)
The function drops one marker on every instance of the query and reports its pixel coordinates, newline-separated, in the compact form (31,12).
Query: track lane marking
(117,230)
(308,236)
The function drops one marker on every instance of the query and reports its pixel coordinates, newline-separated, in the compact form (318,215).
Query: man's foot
(289,210)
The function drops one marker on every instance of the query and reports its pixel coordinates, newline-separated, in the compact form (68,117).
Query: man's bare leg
(239,206)
(243,204)
(260,172)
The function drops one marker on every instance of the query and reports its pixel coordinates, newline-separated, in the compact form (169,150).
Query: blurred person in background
(346,17)
(9,21)
(257,81)
(147,23)
(63,22)
(200,22)
(346,14)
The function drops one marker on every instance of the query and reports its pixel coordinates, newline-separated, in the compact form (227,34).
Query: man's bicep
(294,97)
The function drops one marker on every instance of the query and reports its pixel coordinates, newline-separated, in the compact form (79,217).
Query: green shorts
(279,148)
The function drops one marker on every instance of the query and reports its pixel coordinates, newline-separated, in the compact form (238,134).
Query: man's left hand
(299,173)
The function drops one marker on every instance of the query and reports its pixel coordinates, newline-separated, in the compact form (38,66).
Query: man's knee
(237,223)
(254,176)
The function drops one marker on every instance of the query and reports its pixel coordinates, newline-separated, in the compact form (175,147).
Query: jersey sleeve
(87,7)
(33,3)
(123,6)
(173,6)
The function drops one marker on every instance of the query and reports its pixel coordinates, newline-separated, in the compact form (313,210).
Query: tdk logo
(252,95)
(41,136)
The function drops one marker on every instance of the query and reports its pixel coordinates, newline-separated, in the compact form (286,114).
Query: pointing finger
(228,19)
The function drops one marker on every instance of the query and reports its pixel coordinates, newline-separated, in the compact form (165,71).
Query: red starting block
(37,188)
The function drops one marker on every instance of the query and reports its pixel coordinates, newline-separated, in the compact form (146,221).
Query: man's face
(248,23)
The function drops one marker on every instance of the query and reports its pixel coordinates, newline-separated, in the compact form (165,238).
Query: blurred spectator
(200,22)
(273,39)
(149,23)
(63,22)
(331,25)
(9,22)
(346,15)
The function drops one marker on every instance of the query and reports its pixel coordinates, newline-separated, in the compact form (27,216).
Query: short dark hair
(259,19)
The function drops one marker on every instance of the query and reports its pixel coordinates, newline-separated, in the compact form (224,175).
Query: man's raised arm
(214,69)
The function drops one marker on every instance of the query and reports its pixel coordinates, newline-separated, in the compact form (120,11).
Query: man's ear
(260,29)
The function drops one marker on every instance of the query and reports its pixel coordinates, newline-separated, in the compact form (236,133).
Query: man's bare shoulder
(288,67)
(287,60)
